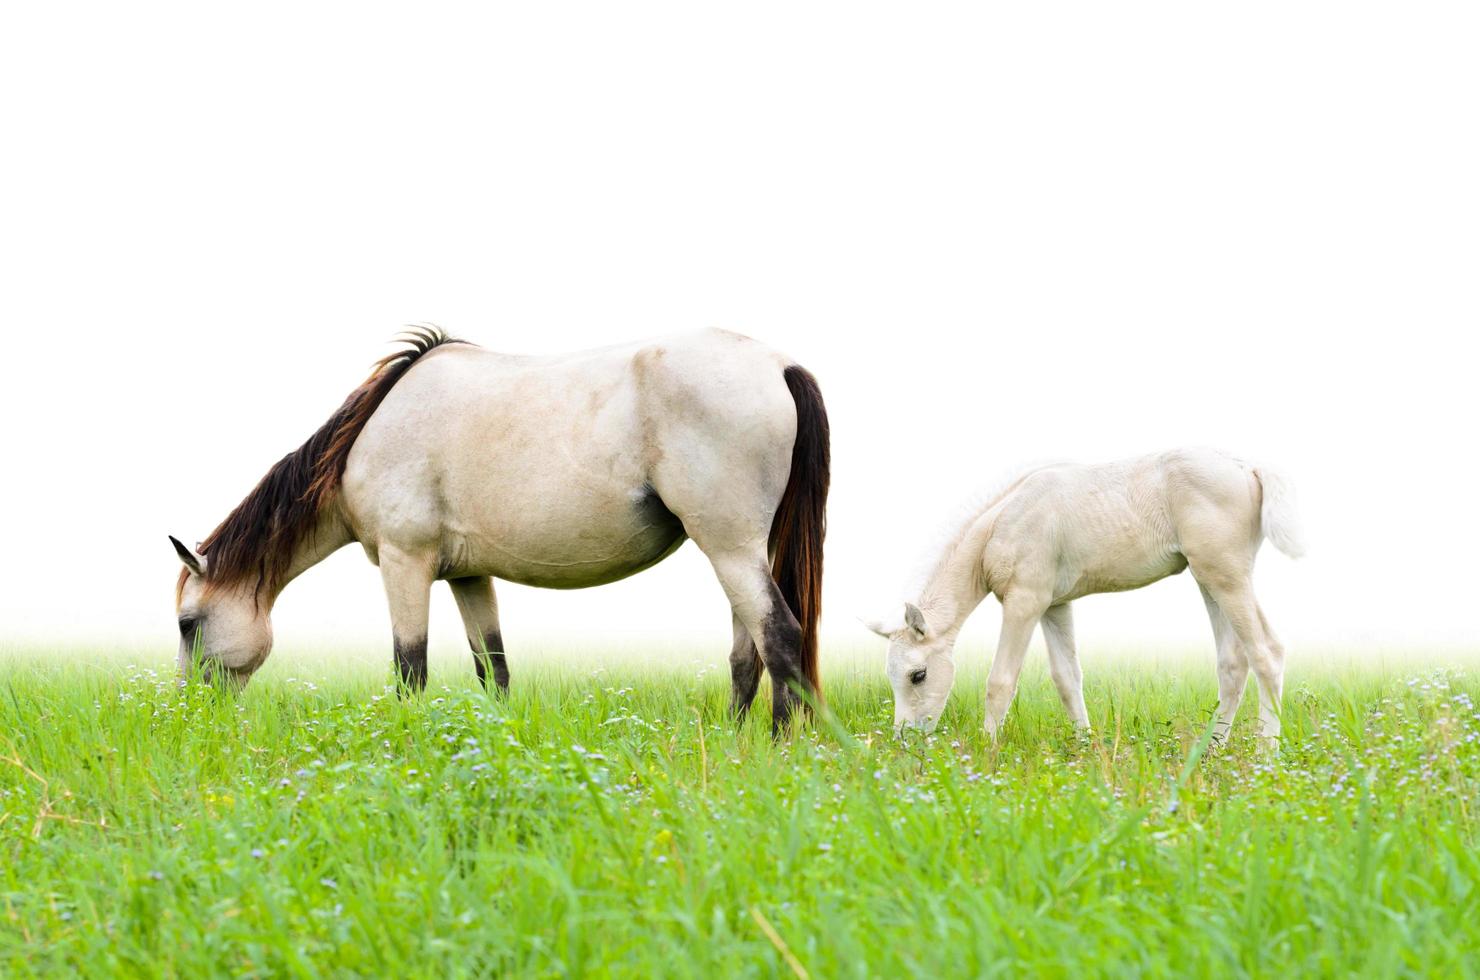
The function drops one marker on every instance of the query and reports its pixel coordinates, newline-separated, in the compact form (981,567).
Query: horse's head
(919,667)
(225,629)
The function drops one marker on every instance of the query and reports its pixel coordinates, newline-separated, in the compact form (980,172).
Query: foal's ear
(909,617)
(192,561)
(885,626)
(915,620)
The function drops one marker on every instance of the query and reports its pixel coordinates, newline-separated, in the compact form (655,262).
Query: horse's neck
(331,533)
(959,583)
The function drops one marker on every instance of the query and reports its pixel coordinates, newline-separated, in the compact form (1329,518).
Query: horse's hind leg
(1063,662)
(723,474)
(760,608)
(1233,667)
(745,671)
(479,607)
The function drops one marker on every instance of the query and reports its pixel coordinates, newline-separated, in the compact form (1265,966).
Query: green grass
(613,822)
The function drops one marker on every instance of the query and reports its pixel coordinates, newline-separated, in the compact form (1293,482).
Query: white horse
(1056,532)
(456,463)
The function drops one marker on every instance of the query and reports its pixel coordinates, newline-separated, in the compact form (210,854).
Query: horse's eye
(187,626)
(917,676)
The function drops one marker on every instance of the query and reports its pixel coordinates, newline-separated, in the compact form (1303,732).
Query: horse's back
(555,470)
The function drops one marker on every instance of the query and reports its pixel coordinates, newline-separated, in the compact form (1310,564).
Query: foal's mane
(948,535)
(259,537)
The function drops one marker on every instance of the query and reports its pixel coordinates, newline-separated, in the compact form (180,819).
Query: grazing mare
(1056,532)
(458,464)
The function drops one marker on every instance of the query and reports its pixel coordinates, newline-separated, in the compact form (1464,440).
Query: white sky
(994,233)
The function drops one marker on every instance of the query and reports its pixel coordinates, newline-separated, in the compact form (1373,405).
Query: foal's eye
(917,676)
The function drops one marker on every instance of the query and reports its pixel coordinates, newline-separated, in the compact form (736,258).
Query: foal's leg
(745,671)
(1063,662)
(1277,656)
(479,607)
(758,606)
(1233,667)
(1234,594)
(1019,616)
(408,588)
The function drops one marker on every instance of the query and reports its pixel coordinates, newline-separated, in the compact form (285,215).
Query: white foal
(1056,532)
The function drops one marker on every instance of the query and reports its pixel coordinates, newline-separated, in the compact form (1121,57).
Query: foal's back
(1073,530)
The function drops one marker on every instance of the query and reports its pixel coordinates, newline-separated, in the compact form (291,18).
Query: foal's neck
(959,583)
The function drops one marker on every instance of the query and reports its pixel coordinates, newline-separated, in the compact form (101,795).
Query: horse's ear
(915,620)
(192,561)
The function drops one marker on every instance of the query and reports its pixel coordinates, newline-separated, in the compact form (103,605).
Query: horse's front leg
(408,587)
(479,607)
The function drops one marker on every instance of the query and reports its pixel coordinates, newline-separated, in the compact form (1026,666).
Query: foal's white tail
(1279,516)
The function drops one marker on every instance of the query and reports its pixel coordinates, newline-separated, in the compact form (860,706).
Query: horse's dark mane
(258,538)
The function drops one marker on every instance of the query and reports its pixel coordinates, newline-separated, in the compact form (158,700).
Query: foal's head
(226,629)
(919,667)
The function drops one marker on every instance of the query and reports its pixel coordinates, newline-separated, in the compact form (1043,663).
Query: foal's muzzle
(925,725)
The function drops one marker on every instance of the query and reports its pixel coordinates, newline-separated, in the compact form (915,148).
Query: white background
(995,232)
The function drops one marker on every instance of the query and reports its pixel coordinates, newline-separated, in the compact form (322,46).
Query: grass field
(611,821)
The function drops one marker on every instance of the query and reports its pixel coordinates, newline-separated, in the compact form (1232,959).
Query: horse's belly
(563,549)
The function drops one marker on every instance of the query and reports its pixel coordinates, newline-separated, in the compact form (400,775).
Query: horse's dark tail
(801,519)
